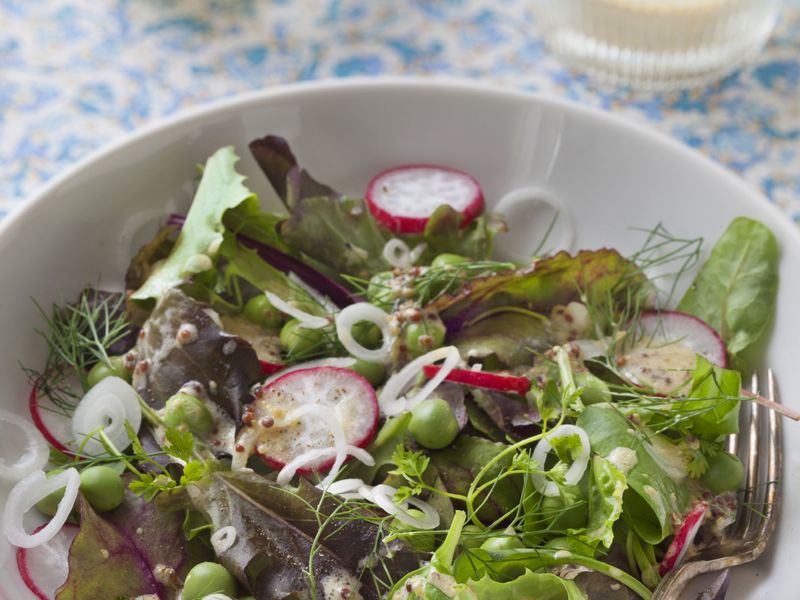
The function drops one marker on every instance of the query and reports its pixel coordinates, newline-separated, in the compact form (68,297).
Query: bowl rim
(437,84)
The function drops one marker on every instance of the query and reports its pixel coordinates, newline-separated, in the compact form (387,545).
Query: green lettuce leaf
(736,289)
(605,502)
(220,189)
(459,463)
(340,234)
(713,400)
(444,234)
(652,497)
(541,586)
(602,276)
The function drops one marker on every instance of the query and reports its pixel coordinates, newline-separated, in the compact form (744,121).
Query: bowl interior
(611,177)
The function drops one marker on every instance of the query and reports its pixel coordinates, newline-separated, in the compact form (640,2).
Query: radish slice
(45,568)
(106,407)
(507,384)
(30,448)
(391,399)
(356,313)
(24,496)
(664,357)
(684,537)
(344,362)
(53,427)
(404,198)
(307,320)
(576,469)
(270,368)
(670,326)
(327,411)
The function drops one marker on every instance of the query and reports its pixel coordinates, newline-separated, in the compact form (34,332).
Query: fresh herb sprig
(77,336)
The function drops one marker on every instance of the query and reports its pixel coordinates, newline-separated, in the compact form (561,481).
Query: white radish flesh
(404,198)
(683,538)
(45,568)
(313,416)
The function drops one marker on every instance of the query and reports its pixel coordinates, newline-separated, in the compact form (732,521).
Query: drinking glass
(657,44)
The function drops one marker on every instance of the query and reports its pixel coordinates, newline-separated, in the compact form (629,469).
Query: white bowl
(611,175)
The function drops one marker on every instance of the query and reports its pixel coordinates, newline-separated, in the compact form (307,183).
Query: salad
(352,399)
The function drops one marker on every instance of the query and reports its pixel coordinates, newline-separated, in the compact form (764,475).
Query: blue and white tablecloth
(75,74)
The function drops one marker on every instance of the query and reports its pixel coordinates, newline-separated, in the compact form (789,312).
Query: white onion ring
(222,539)
(107,406)
(391,401)
(383,496)
(34,453)
(217,596)
(344,486)
(397,253)
(576,469)
(24,496)
(320,298)
(363,311)
(307,320)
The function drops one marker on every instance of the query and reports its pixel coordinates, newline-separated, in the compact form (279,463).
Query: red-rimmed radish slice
(683,538)
(507,384)
(44,568)
(671,326)
(300,413)
(22,441)
(55,427)
(270,368)
(404,198)
(667,343)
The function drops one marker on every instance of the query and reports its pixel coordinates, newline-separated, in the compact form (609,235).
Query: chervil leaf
(181,443)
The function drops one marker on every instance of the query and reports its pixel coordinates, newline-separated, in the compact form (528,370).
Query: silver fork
(758,508)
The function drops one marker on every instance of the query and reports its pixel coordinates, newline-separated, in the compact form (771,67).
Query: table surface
(77,74)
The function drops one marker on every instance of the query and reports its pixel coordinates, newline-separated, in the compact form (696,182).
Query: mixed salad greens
(352,399)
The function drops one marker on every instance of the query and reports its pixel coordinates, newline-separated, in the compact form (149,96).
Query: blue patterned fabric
(75,74)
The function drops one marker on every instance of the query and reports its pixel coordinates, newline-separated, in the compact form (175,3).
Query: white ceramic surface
(82,227)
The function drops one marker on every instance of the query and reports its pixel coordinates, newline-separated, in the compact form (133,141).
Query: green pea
(424,336)
(423,541)
(208,578)
(260,311)
(501,543)
(595,390)
(444,260)
(379,292)
(367,334)
(433,424)
(372,372)
(103,487)
(185,410)
(298,340)
(114,368)
(725,473)
(49,504)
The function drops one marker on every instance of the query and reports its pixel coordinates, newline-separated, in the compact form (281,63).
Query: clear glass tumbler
(657,44)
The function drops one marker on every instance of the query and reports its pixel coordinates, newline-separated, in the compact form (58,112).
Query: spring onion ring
(363,311)
(576,469)
(106,407)
(24,496)
(391,400)
(222,539)
(307,320)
